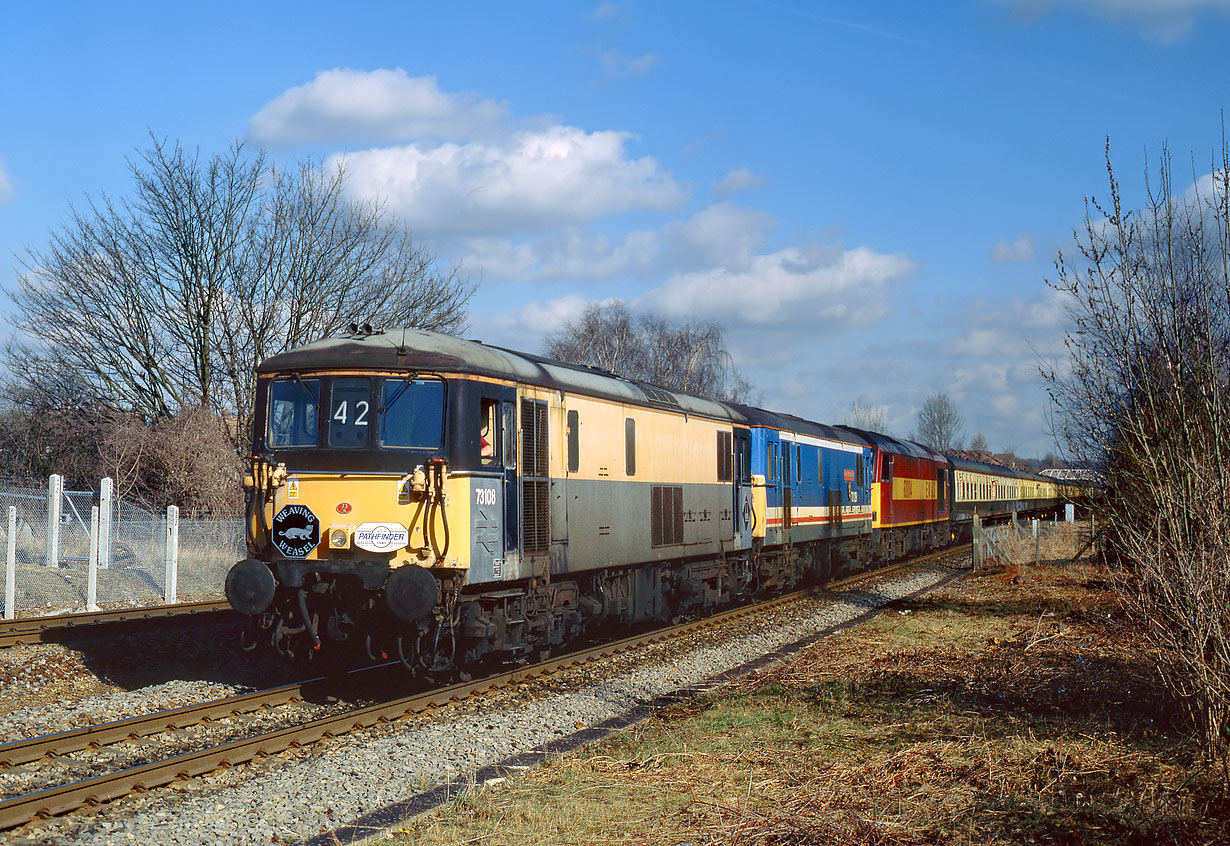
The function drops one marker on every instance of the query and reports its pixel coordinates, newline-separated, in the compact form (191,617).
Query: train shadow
(179,649)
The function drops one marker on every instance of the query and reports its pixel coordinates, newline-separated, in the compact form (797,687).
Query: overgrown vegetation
(187,459)
(1019,705)
(1143,399)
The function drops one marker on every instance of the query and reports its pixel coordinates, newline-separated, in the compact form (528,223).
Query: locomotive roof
(421,350)
(761,417)
(895,446)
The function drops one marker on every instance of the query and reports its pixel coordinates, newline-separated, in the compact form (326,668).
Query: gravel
(303,793)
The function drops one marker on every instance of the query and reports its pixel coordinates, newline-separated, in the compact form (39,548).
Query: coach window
(630,446)
(574,442)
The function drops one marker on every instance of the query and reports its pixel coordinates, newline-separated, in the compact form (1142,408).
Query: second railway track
(56,627)
(102,788)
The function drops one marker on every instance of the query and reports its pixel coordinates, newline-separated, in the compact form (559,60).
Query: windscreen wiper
(306,388)
(392,401)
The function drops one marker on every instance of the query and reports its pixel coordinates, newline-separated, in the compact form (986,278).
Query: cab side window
(488,434)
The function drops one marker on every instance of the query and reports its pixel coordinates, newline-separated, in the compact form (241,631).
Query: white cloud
(1163,20)
(739,179)
(723,235)
(1027,328)
(6,184)
(529,181)
(1022,249)
(810,285)
(617,64)
(379,105)
(1207,189)
(607,12)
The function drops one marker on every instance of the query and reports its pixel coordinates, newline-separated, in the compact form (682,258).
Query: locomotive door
(562,424)
(787,477)
(745,515)
(508,452)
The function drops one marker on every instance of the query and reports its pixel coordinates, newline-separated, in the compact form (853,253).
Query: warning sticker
(292,488)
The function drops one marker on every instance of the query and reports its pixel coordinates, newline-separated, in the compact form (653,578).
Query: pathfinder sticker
(296,531)
(381,537)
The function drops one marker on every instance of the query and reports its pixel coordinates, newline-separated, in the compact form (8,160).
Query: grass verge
(1017,705)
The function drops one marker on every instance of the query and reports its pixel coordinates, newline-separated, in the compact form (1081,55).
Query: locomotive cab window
(412,413)
(488,432)
(294,412)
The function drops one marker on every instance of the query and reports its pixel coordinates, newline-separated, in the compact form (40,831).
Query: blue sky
(867,196)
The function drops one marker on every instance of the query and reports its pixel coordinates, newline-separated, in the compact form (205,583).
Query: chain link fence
(52,543)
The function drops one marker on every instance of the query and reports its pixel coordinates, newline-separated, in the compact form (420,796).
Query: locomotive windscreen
(412,414)
(294,413)
(406,413)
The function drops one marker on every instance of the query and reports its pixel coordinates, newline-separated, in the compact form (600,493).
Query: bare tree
(939,424)
(691,358)
(168,299)
(978,443)
(1145,401)
(605,335)
(863,415)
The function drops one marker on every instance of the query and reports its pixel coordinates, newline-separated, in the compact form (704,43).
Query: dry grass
(1015,706)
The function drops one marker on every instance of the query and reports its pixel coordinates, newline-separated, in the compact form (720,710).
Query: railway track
(68,797)
(54,627)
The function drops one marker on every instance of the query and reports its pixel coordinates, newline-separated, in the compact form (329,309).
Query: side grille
(666,515)
(535,516)
(535,478)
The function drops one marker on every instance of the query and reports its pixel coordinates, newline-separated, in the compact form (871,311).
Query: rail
(55,627)
(69,797)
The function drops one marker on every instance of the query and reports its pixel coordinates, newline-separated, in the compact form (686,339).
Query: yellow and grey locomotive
(417,495)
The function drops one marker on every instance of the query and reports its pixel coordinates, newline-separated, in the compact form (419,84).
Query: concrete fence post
(10,568)
(172,553)
(55,498)
(976,535)
(91,581)
(106,509)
